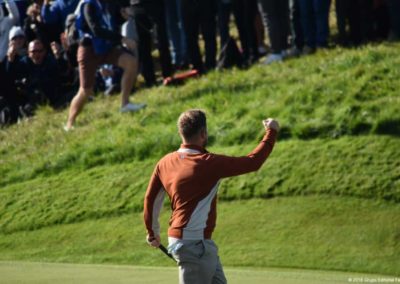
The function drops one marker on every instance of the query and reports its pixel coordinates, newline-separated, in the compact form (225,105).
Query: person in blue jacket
(56,13)
(100,44)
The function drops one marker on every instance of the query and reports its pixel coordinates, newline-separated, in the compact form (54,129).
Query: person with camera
(36,76)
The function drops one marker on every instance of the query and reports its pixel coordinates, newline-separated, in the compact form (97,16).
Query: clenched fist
(271,123)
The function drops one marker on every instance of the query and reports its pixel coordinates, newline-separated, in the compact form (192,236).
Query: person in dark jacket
(150,14)
(245,12)
(348,13)
(200,15)
(176,33)
(37,74)
(394,10)
(56,13)
(34,27)
(315,22)
(276,20)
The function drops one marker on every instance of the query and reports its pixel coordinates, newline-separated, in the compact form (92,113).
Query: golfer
(190,177)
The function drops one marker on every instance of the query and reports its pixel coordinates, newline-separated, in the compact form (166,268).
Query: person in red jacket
(190,177)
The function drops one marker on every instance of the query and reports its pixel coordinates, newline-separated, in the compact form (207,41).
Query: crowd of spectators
(37,66)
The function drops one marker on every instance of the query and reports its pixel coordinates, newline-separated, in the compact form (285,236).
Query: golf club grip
(165,251)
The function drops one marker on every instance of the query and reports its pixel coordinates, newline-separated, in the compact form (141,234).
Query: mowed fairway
(25,272)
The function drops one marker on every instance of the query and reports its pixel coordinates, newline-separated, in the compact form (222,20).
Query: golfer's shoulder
(166,157)
(213,157)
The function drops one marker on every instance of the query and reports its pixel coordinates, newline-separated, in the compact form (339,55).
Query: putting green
(32,273)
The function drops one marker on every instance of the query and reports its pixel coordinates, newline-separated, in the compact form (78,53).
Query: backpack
(71,32)
(72,38)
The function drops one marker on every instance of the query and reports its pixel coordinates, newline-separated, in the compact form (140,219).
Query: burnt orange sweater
(190,177)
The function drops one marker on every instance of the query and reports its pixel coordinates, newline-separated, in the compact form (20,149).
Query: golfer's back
(190,177)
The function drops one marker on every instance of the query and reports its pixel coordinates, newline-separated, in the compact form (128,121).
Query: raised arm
(13,13)
(232,166)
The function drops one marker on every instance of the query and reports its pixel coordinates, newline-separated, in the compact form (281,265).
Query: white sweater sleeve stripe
(158,204)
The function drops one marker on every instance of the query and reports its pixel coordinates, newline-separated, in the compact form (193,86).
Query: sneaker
(262,50)
(273,57)
(130,107)
(68,129)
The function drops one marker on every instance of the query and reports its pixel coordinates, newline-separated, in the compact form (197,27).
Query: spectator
(110,76)
(18,39)
(128,28)
(200,15)
(381,19)
(315,22)
(34,27)
(150,14)
(176,33)
(245,12)
(348,12)
(394,10)
(9,100)
(22,7)
(54,15)
(6,23)
(99,46)
(68,76)
(297,36)
(37,74)
(262,48)
(276,19)
(8,106)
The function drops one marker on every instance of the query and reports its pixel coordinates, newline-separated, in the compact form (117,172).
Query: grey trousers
(198,262)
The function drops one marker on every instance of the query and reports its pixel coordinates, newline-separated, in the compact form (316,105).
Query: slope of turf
(340,140)
(364,167)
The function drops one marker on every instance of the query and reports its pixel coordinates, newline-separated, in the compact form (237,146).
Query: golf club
(162,248)
(165,251)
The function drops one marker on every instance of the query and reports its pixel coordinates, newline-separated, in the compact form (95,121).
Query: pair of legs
(124,60)
(275,14)
(151,15)
(245,12)
(315,22)
(200,16)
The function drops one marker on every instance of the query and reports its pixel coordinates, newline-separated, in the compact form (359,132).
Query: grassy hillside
(338,151)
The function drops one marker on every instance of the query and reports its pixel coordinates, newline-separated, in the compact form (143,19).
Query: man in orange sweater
(190,177)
